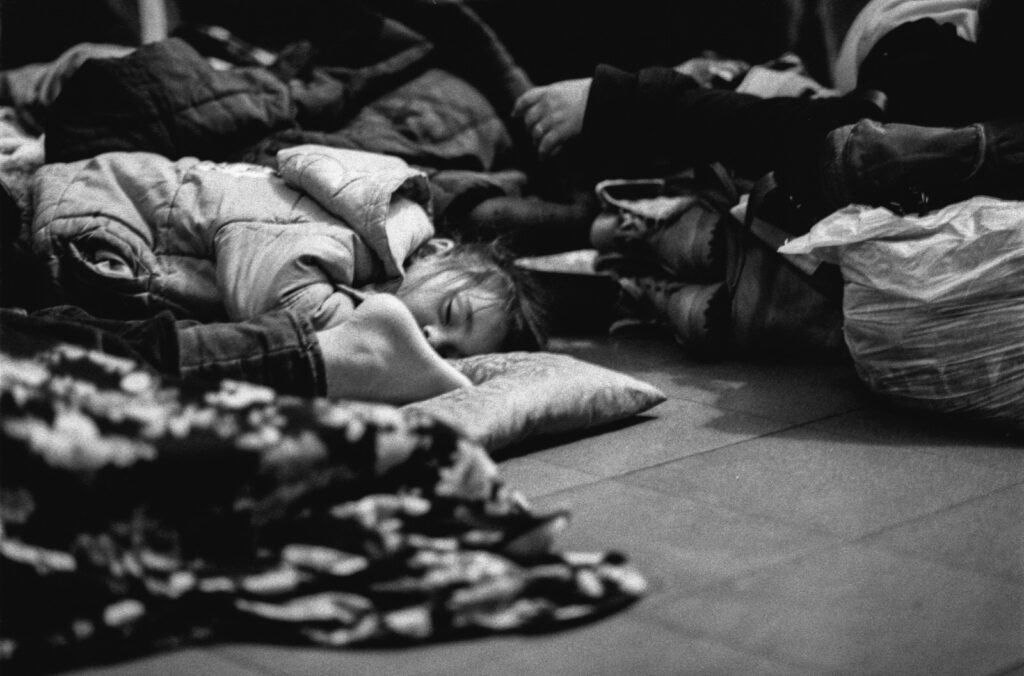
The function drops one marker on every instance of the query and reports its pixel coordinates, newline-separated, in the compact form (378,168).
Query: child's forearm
(381,355)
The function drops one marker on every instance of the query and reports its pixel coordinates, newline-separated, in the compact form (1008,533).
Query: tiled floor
(787,523)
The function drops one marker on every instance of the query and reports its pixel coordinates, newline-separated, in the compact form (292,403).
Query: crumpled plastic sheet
(933,304)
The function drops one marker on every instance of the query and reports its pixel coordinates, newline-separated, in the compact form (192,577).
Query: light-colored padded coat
(128,234)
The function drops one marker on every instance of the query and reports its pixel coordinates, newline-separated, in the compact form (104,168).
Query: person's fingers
(535,115)
(549,145)
(538,132)
(526,100)
(551,142)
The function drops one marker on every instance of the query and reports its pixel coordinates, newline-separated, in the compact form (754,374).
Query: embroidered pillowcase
(525,395)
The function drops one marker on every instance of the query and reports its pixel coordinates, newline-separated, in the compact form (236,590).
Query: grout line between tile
(1014,669)
(790,426)
(861,539)
(685,631)
(955,505)
(229,654)
(796,556)
(789,423)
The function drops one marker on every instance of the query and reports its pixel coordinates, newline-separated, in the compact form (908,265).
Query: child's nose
(439,339)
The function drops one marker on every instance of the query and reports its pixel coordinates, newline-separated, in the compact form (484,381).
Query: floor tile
(678,544)
(847,488)
(782,392)
(985,535)
(619,646)
(533,477)
(882,426)
(194,662)
(448,658)
(647,352)
(863,611)
(789,392)
(608,647)
(677,429)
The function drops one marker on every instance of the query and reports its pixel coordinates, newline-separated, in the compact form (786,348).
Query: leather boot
(910,168)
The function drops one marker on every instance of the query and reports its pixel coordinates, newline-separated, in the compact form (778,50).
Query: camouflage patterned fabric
(137,515)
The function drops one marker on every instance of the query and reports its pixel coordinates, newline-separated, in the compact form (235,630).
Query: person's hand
(554,113)
(708,70)
(21,153)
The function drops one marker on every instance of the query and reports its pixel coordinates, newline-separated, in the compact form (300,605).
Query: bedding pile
(139,514)
(140,511)
(388,90)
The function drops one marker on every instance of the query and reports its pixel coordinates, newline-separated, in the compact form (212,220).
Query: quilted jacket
(127,234)
(165,98)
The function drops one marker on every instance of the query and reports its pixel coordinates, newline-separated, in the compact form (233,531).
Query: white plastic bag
(933,305)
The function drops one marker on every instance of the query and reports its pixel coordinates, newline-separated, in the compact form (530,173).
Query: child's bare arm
(381,354)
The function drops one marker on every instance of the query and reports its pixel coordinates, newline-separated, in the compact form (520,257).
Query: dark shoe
(673,229)
(699,316)
(689,248)
(913,169)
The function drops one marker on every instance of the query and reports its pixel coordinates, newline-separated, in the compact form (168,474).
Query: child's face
(467,322)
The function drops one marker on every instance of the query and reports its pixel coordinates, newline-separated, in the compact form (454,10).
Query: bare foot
(380,354)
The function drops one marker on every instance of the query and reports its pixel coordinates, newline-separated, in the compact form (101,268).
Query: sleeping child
(321,277)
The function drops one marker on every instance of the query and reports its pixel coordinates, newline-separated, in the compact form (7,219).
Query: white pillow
(523,395)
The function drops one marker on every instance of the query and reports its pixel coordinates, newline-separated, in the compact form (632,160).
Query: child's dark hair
(490,266)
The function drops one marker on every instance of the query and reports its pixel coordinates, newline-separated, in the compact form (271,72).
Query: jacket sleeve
(628,128)
(363,191)
(303,268)
(658,120)
(164,98)
(353,220)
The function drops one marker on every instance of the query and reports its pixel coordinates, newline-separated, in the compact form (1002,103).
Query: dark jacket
(657,120)
(400,98)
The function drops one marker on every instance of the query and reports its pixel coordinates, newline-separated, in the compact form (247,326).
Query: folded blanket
(144,515)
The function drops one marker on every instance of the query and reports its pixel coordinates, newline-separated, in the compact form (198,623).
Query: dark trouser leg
(153,341)
(277,349)
(755,135)
(658,119)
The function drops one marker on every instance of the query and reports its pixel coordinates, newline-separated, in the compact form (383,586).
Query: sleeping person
(933,120)
(940,66)
(320,278)
(457,300)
